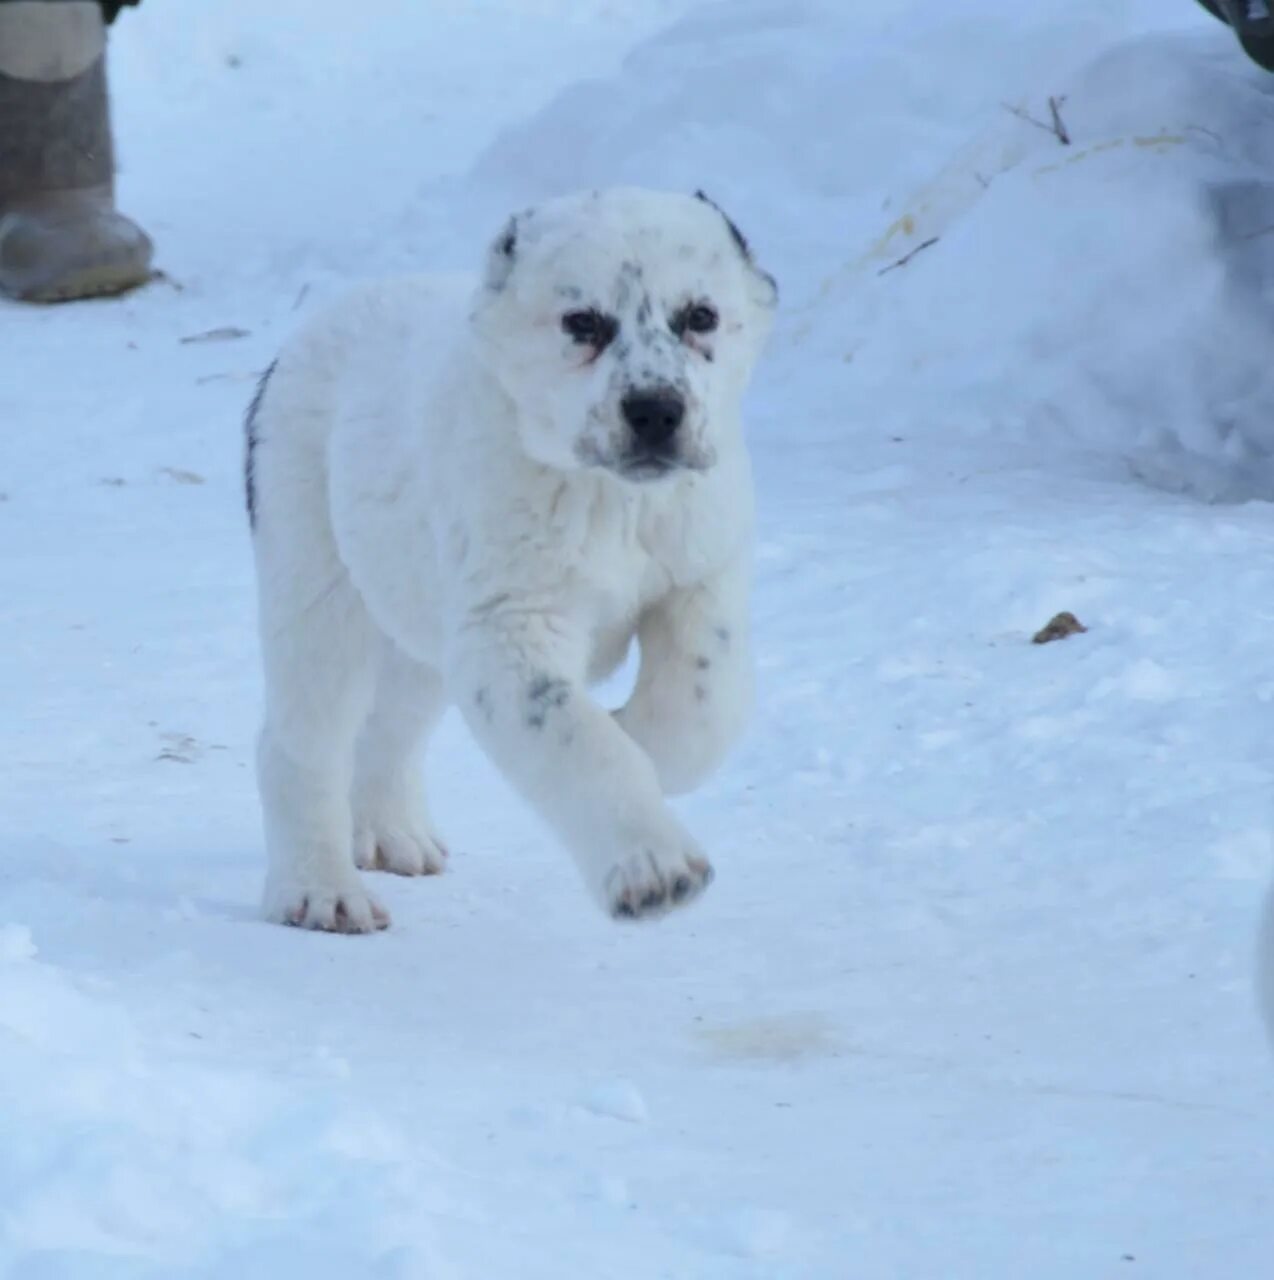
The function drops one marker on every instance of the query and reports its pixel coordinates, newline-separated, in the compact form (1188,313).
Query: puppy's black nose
(654,416)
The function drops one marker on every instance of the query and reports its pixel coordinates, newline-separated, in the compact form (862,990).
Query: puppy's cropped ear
(770,294)
(503,253)
(739,238)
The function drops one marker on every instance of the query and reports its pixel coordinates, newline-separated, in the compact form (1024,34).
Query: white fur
(442,516)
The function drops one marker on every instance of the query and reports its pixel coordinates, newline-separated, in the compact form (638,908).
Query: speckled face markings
(645,313)
(656,353)
(625,310)
(628,286)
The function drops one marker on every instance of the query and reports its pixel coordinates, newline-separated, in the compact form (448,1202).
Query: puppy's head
(624,325)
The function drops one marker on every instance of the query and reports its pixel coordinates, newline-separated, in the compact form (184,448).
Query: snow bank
(120,1161)
(1108,295)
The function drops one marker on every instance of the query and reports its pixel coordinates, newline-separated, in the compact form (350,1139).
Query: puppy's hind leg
(392,829)
(319,647)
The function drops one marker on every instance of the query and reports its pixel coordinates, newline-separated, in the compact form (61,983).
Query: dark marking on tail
(250,445)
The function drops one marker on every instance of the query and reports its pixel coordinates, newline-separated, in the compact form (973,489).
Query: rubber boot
(60,234)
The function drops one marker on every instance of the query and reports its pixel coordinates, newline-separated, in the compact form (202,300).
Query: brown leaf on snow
(1058,627)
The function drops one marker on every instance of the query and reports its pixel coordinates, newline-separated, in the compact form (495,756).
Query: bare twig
(1056,128)
(227,333)
(1207,133)
(907,257)
(249,375)
(1023,114)
(1055,110)
(162,277)
(179,475)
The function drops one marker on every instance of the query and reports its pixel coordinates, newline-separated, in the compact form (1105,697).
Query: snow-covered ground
(972,996)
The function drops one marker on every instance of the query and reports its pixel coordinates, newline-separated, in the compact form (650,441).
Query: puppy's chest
(610,606)
(617,575)
(624,562)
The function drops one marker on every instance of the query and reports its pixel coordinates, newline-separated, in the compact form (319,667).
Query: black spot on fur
(630,278)
(250,445)
(545,694)
(723,635)
(702,663)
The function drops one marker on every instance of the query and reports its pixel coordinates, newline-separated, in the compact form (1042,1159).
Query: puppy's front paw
(653,882)
(344,907)
(402,850)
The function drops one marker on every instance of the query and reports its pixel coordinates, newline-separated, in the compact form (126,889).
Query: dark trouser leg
(1253,23)
(60,234)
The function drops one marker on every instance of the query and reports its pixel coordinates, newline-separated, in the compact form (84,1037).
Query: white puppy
(481,499)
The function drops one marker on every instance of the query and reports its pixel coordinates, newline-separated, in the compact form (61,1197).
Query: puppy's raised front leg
(521,691)
(694,686)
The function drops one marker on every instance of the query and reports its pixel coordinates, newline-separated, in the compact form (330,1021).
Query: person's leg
(60,234)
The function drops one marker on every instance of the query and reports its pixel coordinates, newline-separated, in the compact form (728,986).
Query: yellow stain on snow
(906,225)
(776,1038)
(905,232)
(1155,142)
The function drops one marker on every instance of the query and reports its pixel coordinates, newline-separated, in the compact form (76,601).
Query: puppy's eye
(697,317)
(701,318)
(590,328)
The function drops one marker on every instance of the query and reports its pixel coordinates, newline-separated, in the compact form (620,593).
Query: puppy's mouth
(643,465)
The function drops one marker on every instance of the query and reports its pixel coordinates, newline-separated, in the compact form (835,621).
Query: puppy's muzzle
(654,417)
